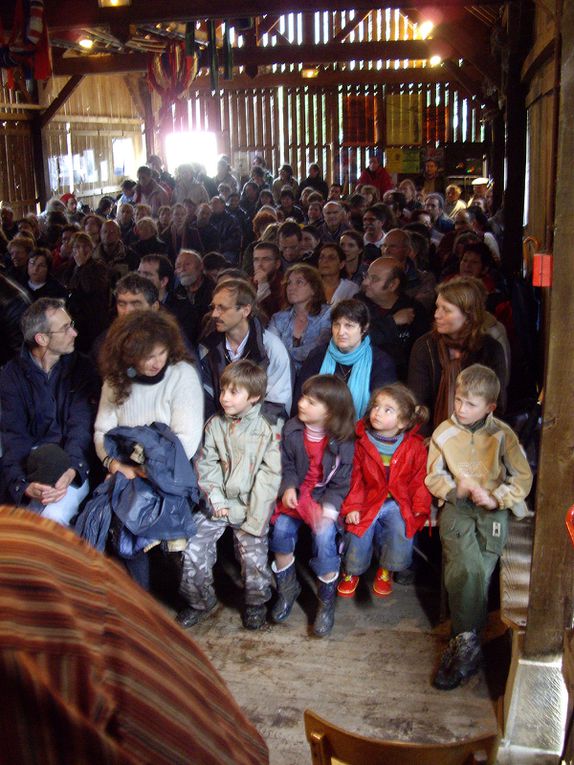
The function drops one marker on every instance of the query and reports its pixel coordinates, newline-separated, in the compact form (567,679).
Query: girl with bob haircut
(306,323)
(388,501)
(457,340)
(148,377)
(316,458)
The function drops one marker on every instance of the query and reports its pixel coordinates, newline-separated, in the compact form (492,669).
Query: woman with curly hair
(148,377)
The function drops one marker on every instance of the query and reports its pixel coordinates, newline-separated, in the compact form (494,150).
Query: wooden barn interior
(487,86)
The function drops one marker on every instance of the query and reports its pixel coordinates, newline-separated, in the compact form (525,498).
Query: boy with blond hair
(478,471)
(239,472)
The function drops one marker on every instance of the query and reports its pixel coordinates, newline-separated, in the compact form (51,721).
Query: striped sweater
(93,670)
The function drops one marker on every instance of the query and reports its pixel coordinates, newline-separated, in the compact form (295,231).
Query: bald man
(397,320)
(420,284)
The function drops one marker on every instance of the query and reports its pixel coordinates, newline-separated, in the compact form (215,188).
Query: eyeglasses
(65,329)
(221,309)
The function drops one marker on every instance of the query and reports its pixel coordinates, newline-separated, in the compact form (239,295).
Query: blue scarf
(359,382)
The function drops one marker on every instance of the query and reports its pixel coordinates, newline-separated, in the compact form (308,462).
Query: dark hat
(46,464)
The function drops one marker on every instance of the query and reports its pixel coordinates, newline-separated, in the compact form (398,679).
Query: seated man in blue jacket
(46,416)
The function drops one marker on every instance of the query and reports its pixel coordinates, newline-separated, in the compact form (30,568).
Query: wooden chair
(329,743)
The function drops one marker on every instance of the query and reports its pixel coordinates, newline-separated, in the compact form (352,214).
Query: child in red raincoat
(388,501)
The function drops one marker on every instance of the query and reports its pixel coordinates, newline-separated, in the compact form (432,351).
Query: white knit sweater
(176,401)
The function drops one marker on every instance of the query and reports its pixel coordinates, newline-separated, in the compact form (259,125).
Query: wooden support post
(40,175)
(552,582)
(515,140)
(148,118)
(497,157)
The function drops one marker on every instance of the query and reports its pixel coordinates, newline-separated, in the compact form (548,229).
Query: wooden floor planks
(372,675)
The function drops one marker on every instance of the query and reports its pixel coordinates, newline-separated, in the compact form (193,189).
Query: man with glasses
(238,334)
(46,415)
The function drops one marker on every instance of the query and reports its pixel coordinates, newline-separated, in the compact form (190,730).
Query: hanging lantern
(171,73)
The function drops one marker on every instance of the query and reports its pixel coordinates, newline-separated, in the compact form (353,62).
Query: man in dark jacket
(397,320)
(45,401)
(227,229)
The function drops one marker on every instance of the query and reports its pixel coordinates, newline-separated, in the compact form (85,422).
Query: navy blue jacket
(155,507)
(36,409)
(337,465)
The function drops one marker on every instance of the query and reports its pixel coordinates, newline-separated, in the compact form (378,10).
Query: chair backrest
(327,741)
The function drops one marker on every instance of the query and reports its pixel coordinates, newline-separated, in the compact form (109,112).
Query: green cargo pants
(472,542)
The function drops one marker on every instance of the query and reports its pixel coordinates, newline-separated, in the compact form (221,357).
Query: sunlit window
(185,148)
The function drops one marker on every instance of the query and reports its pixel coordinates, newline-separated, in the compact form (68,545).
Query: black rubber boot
(326,613)
(189,617)
(461,659)
(254,617)
(288,590)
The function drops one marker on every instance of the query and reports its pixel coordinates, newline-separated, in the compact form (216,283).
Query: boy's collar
(476,426)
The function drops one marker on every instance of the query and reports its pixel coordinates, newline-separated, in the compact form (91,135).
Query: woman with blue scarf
(350,356)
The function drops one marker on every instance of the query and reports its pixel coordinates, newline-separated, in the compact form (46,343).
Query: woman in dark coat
(350,356)
(457,340)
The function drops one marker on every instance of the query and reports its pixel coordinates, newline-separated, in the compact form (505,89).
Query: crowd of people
(266,354)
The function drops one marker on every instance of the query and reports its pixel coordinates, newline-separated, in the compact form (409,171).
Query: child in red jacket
(388,501)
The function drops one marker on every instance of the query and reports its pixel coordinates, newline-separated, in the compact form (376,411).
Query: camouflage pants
(200,555)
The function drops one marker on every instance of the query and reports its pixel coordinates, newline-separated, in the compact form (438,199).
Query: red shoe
(347,585)
(383,584)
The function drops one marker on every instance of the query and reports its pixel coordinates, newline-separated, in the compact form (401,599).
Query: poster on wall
(359,117)
(404,113)
(406,161)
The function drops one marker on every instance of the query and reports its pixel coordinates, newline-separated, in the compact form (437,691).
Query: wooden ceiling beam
(261,56)
(66,14)
(328,79)
(60,99)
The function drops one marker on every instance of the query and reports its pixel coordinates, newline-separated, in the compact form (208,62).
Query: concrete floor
(371,675)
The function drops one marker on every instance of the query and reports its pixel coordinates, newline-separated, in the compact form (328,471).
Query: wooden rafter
(65,14)
(60,99)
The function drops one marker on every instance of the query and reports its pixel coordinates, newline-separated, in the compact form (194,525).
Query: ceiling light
(435,60)
(113,3)
(86,43)
(425,29)
(309,72)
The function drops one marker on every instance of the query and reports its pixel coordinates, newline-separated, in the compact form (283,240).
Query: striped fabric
(93,670)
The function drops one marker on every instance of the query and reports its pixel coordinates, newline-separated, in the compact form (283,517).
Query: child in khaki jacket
(239,472)
(478,471)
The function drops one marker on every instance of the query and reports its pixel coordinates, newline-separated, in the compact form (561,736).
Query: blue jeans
(387,533)
(64,510)
(325,556)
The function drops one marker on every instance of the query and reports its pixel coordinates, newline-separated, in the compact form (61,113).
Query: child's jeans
(201,553)
(387,534)
(325,556)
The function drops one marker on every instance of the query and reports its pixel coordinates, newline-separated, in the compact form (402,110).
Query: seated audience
(46,415)
(306,323)
(237,334)
(350,355)
(331,267)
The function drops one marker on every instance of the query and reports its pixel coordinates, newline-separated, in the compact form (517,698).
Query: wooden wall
(303,124)
(17,185)
(81,135)
(540,73)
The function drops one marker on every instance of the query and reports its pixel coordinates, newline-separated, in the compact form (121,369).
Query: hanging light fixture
(309,72)
(113,3)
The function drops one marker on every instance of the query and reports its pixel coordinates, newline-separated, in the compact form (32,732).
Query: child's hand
(353,517)
(465,487)
(483,498)
(289,498)
(223,512)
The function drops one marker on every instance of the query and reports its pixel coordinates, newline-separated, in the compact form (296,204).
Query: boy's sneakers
(383,584)
(461,659)
(190,616)
(347,585)
(254,617)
